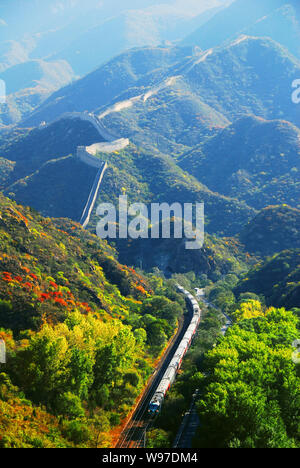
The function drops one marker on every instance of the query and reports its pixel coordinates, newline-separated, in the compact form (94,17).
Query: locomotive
(175,364)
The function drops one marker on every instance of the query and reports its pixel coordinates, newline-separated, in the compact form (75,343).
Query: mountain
(218,256)
(277,279)
(203,90)
(76,34)
(36,73)
(59,188)
(275,228)
(207,119)
(6,167)
(35,240)
(55,182)
(282,25)
(253,160)
(134,68)
(13,52)
(250,75)
(65,299)
(169,117)
(167,100)
(133,27)
(28,84)
(31,148)
(277,19)
(60,26)
(148,177)
(81,30)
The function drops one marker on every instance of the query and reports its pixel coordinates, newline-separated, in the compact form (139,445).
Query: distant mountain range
(205,124)
(74,16)
(253,159)
(28,84)
(76,34)
(81,31)
(181,102)
(277,19)
(250,75)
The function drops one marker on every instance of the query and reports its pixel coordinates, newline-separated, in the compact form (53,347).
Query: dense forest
(247,382)
(82,332)
(250,395)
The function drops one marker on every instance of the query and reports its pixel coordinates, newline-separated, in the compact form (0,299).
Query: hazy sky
(19,17)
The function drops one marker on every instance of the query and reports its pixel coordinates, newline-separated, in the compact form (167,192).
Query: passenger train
(175,364)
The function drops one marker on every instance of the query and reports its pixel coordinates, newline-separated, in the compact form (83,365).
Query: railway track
(134,434)
(189,426)
(191,421)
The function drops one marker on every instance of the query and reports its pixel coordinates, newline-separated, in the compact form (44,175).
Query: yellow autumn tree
(248,310)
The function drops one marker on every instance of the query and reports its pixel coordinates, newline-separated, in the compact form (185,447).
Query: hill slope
(277,19)
(29,241)
(103,85)
(277,279)
(28,84)
(31,148)
(47,176)
(205,90)
(253,160)
(274,229)
(61,186)
(73,321)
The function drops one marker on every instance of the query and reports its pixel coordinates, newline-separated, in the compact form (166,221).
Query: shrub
(77,432)
(69,405)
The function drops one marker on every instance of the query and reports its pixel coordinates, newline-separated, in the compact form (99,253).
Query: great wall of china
(87,154)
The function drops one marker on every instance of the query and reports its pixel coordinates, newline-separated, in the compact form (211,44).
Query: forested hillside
(277,279)
(54,182)
(253,160)
(249,387)
(29,149)
(80,337)
(275,228)
(219,81)
(246,381)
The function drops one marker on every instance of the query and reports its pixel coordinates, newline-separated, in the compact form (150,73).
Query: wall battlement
(88,158)
(87,154)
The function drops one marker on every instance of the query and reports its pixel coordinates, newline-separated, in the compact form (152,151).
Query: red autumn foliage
(19,279)
(61,302)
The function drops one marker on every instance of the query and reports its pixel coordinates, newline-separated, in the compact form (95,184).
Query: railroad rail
(134,434)
(188,427)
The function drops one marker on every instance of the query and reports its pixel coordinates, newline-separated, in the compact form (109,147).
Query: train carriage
(175,364)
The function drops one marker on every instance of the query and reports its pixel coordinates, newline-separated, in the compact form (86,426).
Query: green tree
(251,393)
